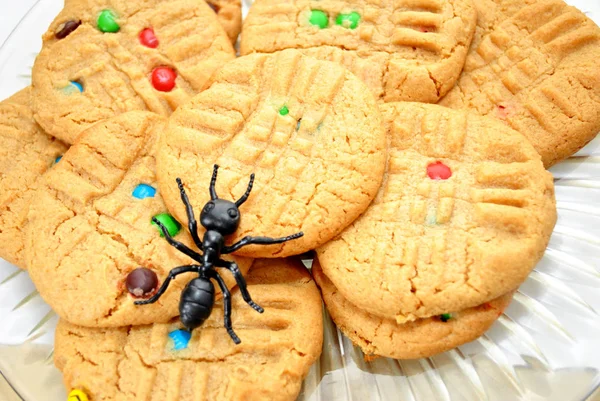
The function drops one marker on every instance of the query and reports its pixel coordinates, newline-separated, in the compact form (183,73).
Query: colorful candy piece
(298,125)
(148,38)
(503,111)
(431,220)
(107,22)
(59,158)
(141,282)
(163,79)
(76,85)
(143,191)
(348,20)
(444,317)
(319,18)
(169,222)
(181,339)
(77,395)
(67,28)
(439,171)
(284,111)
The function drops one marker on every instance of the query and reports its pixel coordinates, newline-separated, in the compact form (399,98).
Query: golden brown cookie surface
(534,65)
(124,56)
(421,338)
(308,129)
(90,226)
(138,363)
(229,14)
(465,211)
(411,50)
(27,152)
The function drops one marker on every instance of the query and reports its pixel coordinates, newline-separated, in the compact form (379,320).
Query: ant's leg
(192,225)
(172,274)
(226,305)
(213,181)
(241,282)
(259,241)
(176,244)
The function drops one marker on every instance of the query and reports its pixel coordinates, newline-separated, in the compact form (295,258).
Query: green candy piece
(284,111)
(348,20)
(172,225)
(445,317)
(106,22)
(319,18)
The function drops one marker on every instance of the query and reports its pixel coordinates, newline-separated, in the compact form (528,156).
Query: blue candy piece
(57,159)
(77,85)
(180,338)
(144,191)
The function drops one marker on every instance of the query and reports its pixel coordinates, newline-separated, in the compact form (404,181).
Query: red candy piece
(148,38)
(163,79)
(503,111)
(439,171)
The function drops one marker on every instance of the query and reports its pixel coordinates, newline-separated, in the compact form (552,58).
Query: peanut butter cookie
(229,14)
(412,50)
(91,248)
(27,152)
(534,66)
(154,362)
(465,212)
(421,338)
(308,129)
(101,58)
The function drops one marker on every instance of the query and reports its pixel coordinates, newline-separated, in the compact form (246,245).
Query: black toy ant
(220,218)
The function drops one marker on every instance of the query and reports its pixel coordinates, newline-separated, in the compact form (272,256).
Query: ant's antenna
(213,181)
(243,199)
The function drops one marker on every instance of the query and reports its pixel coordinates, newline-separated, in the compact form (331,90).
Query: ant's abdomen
(197,300)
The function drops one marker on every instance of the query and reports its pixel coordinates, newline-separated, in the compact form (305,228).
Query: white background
(11,12)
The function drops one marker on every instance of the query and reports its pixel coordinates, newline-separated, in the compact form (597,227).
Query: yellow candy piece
(77,395)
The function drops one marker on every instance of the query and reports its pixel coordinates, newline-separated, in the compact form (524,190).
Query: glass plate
(546,346)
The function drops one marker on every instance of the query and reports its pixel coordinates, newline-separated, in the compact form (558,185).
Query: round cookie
(534,66)
(465,212)
(308,129)
(229,14)
(100,59)
(140,363)
(421,338)
(407,51)
(27,152)
(90,227)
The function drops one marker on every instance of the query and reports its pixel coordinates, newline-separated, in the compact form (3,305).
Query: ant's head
(220,215)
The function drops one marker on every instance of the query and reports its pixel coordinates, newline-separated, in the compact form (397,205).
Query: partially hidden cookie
(308,129)
(27,152)
(101,58)
(534,66)
(229,14)
(140,363)
(410,50)
(90,228)
(465,212)
(422,338)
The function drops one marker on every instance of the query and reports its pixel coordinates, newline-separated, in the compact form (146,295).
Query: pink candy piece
(148,38)
(439,171)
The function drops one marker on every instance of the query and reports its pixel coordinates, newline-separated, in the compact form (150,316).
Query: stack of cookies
(164,189)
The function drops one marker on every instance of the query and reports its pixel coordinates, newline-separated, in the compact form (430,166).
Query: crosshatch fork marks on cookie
(278,349)
(402,49)
(325,133)
(441,257)
(539,66)
(114,68)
